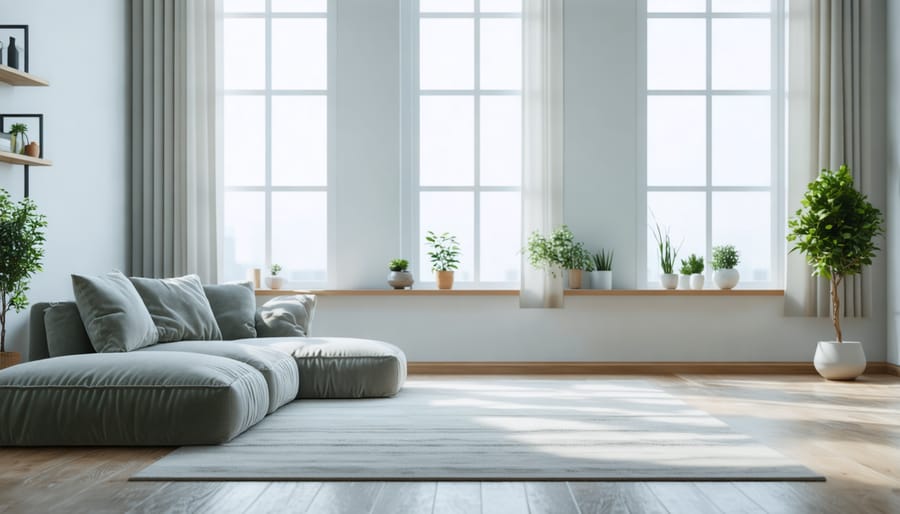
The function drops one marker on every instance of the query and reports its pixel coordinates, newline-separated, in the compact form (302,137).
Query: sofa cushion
(338,367)
(179,308)
(113,313)
(65,331)
(234,306)
(279,370)
(129,399)
(286,316)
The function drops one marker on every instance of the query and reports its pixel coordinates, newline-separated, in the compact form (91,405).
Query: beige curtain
(825,131)
(542,118)
(176,193)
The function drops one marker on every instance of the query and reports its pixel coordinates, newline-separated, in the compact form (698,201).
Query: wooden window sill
(515,292)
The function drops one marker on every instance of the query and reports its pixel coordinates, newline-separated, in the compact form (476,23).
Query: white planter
(273,282)
(400,279)
(684,281)
(668,280)
(726,278)
(601,280)
(697,280)
(840,361)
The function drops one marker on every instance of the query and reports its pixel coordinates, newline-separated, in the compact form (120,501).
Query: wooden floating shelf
(515,292)
(15,77)
(15,158)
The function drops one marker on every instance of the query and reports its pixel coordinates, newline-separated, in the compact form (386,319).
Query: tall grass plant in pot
(601,276)
(667,254)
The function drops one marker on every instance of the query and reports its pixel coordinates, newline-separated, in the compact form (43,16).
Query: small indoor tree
(21,251)
(836,230)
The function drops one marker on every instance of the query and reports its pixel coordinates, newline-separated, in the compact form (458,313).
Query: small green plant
(725,257)
(444,252)
(664,249)
(603,260)
(692,265)
(16,130)
(399,265)
(275,269)
(557,251)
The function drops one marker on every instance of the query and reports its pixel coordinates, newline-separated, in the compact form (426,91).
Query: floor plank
(550,498)
(599,497)
(682,498)
(457,498)
(406,498)
(726,497)
(286,496)
(503,497)
(346,498)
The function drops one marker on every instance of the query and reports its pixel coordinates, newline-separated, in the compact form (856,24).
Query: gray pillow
(234,306)
(286,316)
(113,313)
(179,308)
(65,331)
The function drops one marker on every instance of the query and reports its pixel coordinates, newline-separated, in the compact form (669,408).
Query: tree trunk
(3,309)
(836,306)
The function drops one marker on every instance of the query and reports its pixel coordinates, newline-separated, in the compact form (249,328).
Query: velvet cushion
(234,306)
(179,308)
(113,313)
(65,331)
(286,316)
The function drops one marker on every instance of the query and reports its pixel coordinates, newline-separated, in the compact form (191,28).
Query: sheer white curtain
(176,193)
(542,116)
(825,129)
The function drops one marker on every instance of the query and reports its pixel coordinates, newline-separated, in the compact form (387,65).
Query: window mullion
(268,136)
(476,230)
(709,138)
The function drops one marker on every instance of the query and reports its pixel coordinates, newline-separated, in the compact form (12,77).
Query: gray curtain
(176,193)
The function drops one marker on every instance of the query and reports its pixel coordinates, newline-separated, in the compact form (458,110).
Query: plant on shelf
(400,277)
(667,254)
(444,255)
(724,260)
(399,265)
(274,281)
(18,137)
(21,250)
(693,267)
(601,275)
(557,252)
(836,230)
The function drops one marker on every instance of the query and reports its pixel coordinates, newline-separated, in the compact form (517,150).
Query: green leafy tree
(444,252)
(836,230)
(21,251)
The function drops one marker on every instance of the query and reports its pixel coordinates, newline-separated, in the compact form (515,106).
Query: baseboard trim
(627,368)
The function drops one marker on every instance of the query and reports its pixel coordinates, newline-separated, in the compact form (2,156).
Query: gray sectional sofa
(181,392)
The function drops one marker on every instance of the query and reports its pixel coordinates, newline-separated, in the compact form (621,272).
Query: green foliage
(558,251)
(664,249)
(444,252)
(725,257)
(21,251)
(603,260)
(693,264)
(399,265)
(16,130)
(275,269)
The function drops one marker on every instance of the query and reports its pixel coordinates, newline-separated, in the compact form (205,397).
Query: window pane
(244,54)
(676,54)
(685,215)
(741,141)
(741,54)
(501,6)
(245,140)
(501,140)
(744,220)
(741,5)
(501,54)
(501,241)
(244,5)
(299,5)
(451,212)
(676,5)
(245,233)
(299,141)
(676,140)
(300,235)
(446,141)
(299,54)
(446,54)
(446,5)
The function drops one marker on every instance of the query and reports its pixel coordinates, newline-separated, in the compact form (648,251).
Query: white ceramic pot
(273,282)
(726,278)
(840,361)
(575,276)
(400,279)
(668,280)
(601,280)
(697,280)
(684,281)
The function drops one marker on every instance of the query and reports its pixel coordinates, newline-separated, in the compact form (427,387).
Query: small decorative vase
(12,54)
(668,280)
(726,278)
(684,281)
(33,149)
(697,280)
(275,282)
(400,279)
(601,280)
(8,359)
(444,279)
(840,361)
(575,276)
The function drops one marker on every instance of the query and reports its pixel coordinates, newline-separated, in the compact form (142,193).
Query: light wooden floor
(850,432)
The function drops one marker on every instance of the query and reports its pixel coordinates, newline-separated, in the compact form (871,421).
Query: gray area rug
(488,429)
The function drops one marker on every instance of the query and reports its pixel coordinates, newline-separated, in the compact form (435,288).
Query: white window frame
(410,132)
(268,92)
(777,93)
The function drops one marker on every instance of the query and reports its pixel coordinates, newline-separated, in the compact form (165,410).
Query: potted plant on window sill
(601,277)
(836,230)
(724,260)
(274,281)
(692,273)
(557,252)
(667,255)
(444,257)
(400,277)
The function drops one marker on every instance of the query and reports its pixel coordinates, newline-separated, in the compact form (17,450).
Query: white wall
(82,49)
(892,244)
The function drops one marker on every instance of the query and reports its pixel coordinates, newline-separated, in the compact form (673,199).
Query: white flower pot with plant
(274,281)
(601,276)
(444,257)
(724,260)
(836,230)
(400,277)
(692,269)
(559,252)
(667,255)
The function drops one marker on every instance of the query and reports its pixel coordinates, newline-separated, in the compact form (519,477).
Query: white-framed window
(464,135)
(277,151)
(714,130)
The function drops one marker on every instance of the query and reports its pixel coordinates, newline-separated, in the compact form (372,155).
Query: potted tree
(444,257)
(18,139)
(667,255)
(559,252)
(836,230)
(400,277)
(274,281)
(724,260)
(601,276)
(21,251)
(694,267)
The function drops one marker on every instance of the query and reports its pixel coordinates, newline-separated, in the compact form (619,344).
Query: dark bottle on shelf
(12,54)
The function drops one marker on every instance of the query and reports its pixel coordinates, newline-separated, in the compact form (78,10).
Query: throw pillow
(65,331)
(234,306)
(286,316)
(179,308)
(113,313)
